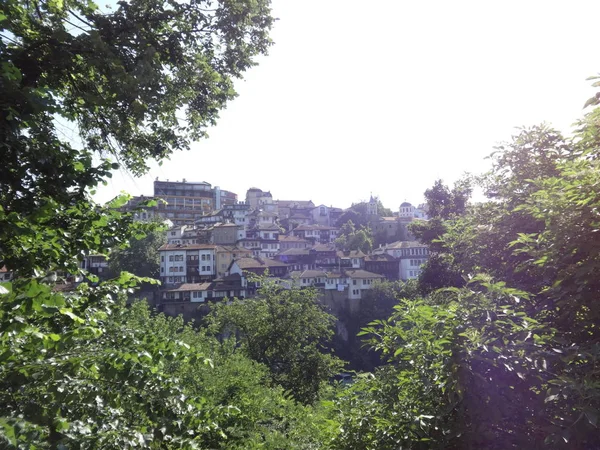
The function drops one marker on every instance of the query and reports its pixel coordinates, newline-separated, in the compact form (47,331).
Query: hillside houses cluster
(292,241)
(215,241)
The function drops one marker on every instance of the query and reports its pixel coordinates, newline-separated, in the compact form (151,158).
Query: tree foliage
(137,82)
(140,255)
(504,354)
(288,331)
(351,239)
(358,214)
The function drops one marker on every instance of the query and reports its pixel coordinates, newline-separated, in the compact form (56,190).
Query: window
(162,259)
(162,269)
(354,282)
(203,257)
(181,268)
(170,279)
(173,233)
(171,269)
(171,257)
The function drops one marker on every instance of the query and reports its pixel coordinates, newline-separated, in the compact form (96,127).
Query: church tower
(372,206)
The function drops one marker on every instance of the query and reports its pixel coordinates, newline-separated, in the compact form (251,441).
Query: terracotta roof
(232,249)
(308,274)
(291,238)
(166,247)
(191,287)
(335,275)
(233,277)
(314,227)
(294,251)
(295,203)
(359,273)
(404,244)
(267,227)
(258,263)
(351,254)
(380,257)
(324,248)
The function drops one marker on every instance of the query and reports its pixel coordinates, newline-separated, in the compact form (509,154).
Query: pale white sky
(387,96)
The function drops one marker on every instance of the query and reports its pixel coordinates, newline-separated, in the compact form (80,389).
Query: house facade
(411,254)
(187,263)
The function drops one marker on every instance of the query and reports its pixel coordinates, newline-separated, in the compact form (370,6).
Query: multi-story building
(412,256)
(352,282)
(316,233)
(359,281)
(225,233)
(229,287)
(287,208)
(353,259)
(291,241)
(325,255)
(383,264)
(96,265)
(258,199)
(297,258)
(188,201)
(237,213)
(226,254)
(193,263)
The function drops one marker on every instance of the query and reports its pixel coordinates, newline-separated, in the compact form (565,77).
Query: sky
(385,97)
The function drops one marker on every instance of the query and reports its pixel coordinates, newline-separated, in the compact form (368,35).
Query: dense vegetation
(497,347)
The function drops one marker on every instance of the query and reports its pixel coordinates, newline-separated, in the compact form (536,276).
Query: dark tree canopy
(140,256)
(288,331)
(138,82)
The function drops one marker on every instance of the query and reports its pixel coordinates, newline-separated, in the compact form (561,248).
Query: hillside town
(215,243)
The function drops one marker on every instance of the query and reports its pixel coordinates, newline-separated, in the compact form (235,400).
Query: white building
(406,211)
(412,256)
(359,281)
(187,263)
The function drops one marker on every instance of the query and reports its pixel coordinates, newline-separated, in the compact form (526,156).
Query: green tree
(358,214)
(376,304)
(139,256)
(443,204)
(509,359)
(352,239)
(125,79)
(288,331)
